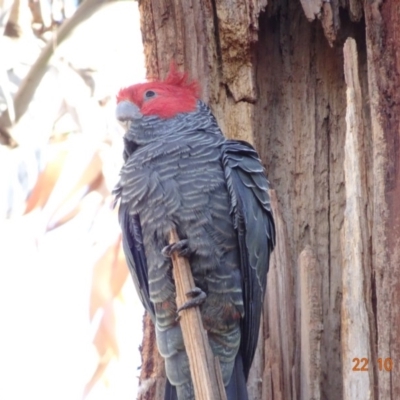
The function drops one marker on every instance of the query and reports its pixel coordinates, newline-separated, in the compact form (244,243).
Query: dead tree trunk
(323,111)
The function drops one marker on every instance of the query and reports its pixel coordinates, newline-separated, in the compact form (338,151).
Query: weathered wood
(311,325)
(355,9)
(214,42)
(204,367)
(256,376)
(300,137)
(279,314)
(311,8)
(355,325)
(152,374)
(277,80)
(267,375)
(382,21)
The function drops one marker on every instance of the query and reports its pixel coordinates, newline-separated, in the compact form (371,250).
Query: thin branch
(204,367)
(28,86)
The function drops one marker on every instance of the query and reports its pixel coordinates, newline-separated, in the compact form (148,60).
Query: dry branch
(28,86)
(204,367)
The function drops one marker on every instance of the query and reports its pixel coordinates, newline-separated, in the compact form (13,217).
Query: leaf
(74,170)
(47,179)
(109,276)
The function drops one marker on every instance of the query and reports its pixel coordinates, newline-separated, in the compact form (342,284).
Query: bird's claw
(181,248)
(197,298)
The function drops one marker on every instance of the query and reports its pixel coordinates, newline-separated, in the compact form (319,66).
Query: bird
(180,172)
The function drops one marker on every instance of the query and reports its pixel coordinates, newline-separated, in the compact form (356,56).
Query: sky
(46,336)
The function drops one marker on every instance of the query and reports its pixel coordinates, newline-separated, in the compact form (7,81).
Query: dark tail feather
(170,392)
(237,389)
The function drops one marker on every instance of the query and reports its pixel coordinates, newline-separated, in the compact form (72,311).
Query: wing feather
(252,215)
(132,242)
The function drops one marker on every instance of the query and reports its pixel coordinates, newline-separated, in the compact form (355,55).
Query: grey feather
(182,173)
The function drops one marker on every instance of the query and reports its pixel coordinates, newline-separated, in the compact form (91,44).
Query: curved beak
(127,111)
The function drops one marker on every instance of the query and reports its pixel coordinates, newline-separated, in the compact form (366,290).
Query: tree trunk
(316,90)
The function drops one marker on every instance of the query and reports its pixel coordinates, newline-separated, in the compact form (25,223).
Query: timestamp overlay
(362,364)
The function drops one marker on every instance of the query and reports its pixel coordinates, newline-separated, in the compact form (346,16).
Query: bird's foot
(181,248)
(197,299)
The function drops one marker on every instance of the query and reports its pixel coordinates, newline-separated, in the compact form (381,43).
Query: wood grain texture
(312,8)
(214,41)
(383,56)
(152,374)
(256,377)
(311,325)
(300,128)
(273,78)
(356,261)
(279,314)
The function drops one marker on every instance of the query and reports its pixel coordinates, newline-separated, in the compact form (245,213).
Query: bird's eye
(149,94)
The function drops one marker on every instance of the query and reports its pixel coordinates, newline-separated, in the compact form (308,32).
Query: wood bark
(314,85)
(280,331)
(311,325)
(356,261)
(152,373)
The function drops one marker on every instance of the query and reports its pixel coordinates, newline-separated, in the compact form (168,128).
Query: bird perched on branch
(181,172)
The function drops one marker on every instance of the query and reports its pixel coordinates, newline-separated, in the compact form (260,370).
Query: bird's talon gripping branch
(194,292)
(181,248)
(197,299)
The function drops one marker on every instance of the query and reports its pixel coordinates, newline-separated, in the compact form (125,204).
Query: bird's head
(164,99)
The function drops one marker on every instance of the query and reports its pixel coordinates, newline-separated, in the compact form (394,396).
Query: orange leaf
(46,181)
(101,367)
(109,275)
